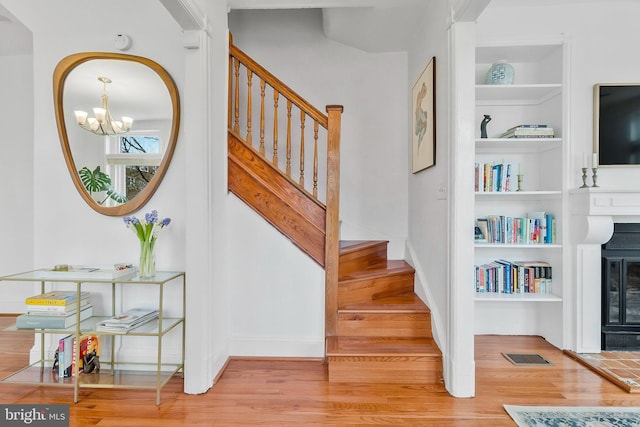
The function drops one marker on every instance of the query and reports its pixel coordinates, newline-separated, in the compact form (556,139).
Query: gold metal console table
(135,376)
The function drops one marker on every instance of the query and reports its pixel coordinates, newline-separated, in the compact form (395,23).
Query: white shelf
(529,195)
(518,246)
(532,297)
(516,145)
(528,94)
(533,52)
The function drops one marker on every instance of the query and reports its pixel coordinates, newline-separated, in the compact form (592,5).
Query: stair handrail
(274,82)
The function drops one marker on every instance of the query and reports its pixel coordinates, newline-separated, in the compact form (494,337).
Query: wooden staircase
(383,328)
(376,328)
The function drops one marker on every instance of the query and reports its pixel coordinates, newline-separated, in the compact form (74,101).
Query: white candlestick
(595,160)
(584,160)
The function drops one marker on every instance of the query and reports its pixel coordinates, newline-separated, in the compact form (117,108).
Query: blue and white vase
(500,73)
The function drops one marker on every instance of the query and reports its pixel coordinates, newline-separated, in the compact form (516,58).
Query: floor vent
(526,359)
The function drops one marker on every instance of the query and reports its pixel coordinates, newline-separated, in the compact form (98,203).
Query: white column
(459,364)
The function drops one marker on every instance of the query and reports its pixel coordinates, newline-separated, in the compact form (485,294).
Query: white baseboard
(277,347)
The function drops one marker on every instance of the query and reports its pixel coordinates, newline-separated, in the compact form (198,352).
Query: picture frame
(423,110)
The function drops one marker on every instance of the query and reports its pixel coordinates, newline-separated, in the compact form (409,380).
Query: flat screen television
(617,124)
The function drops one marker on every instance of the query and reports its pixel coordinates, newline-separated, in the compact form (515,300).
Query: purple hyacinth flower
(151,217)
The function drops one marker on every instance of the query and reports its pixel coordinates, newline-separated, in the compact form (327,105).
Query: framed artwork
(423,99)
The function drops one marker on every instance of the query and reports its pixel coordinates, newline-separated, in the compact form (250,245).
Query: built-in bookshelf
(519,170)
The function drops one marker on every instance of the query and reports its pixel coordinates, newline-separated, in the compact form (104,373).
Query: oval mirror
(118,117)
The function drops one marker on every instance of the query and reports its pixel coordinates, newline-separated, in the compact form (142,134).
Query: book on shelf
(528,126)
(126,321)
(88,343)
(513,277)
(493,177)
(482,225)
(67,356)
(65,351)
(537,276)
(56,310)
(56,298)
(546,227)
(29,321)
(529,131)
(536,228)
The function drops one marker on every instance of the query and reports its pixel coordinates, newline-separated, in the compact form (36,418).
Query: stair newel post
(332,244)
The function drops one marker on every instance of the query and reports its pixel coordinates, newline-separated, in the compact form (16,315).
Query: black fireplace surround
(621,289)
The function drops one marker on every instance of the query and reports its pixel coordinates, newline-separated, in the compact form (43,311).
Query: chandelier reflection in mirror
(103,123)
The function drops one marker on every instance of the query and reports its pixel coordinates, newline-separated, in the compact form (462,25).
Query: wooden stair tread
(382,347)
(388,268)
(405,303)
(348,246)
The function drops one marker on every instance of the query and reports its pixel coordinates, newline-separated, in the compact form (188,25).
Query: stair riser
(408,325)
(358,291)
(395,370)
(362,259)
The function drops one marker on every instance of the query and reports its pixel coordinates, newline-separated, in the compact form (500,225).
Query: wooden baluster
(230,94)
(315,159)
(302,117)
(236,114)
(288,169)
(249,76)
(262,86)
(276,96)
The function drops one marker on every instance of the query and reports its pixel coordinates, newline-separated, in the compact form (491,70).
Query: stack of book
(536,228)
(54,310)
(493,177)
(529,131)
(514,277)
(67,359)
(126,321)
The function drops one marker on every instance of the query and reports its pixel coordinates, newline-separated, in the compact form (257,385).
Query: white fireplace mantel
(594,211)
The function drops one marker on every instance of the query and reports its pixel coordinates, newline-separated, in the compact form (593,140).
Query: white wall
(428,214)
(16,175)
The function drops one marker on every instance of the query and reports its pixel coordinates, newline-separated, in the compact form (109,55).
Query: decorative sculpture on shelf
(483,126)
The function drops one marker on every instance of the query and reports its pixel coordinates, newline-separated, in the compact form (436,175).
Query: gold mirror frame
(60,74)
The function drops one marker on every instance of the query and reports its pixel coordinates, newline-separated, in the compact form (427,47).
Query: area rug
(574,416)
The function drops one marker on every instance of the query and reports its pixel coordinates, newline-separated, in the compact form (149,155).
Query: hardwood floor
(296,393)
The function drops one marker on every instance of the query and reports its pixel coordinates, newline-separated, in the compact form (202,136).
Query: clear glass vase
(147,266)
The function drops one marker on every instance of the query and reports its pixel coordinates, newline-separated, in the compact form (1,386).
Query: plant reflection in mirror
(97,181)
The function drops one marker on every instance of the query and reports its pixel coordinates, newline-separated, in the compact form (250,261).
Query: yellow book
(55,298)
